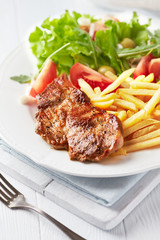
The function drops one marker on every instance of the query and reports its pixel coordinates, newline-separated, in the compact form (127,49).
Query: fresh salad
(116,64)
(83,46)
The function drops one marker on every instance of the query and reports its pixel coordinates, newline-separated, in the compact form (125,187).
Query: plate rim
(15,145)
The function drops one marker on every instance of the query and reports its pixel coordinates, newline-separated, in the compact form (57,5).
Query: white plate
(17,129)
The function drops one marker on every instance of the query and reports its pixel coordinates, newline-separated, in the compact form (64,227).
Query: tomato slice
(154,67)
(45,77)
(142,67)
(92,77)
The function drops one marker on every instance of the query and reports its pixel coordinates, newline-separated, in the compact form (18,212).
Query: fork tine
(2,200)
(8,184)
(6,190)
(4,195)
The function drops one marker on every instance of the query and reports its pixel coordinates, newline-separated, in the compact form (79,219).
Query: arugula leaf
(106,42)
(155,38)
(139,50)
(21,79)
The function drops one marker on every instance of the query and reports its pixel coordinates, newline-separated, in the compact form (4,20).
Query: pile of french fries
(136,102)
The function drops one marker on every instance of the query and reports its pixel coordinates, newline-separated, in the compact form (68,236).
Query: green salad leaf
(139,50)
(56,33)
(66,43)
(21,79)
(134,30)
(106,42)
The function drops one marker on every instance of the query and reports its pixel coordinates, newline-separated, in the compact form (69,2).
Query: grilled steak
(53,105)
(67,120)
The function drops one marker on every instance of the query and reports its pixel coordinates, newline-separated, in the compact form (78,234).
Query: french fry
(145,130)
(139,78)
(146,85)
(125,104)
(136,103)
(118,81)
(85,87)
(137,117)
(104,98)
(137,92)
(113,112)
(149,78)
(127,82)
(152,103)
(158,107)
(121,151)
(97,90)
(125,85)
(139,103)
(138,126)
(129,113)
(156,113)
(145,137)
(143,145)
(110,75)
(103,105)
(112,108)
(122,115)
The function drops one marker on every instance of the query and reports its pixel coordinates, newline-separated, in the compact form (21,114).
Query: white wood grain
(83,228)
(93,213)
(23,172)
(19,224)
(144,222)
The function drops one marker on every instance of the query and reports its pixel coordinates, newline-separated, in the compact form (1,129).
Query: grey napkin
(105,191)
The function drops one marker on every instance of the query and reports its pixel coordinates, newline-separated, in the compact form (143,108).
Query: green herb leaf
(134,30)
(106,42)
(66,43)
(21,79)
(139,50)
(49,42)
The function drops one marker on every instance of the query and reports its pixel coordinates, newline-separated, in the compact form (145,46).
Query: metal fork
(15,200)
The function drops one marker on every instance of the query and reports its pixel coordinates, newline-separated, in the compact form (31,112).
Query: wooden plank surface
(142,223)
(19,224)
(32,177)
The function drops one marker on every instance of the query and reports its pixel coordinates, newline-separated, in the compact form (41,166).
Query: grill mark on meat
(67,120)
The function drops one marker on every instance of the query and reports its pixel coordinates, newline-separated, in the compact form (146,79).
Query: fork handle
(66,230)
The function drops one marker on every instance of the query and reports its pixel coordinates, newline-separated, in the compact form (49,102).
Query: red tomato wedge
(45,77)
(154,67)
(92,77)
(142,67)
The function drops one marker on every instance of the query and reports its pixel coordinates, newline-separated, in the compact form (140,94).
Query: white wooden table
(17,18)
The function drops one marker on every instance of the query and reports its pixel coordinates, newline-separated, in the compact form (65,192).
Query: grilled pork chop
(67,120)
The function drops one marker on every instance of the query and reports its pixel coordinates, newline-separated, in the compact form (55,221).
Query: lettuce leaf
(66,43)
(106,42)
(134,30)
(56,33)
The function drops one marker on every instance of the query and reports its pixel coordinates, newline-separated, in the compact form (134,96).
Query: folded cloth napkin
(105,191)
